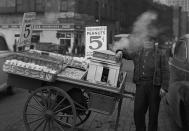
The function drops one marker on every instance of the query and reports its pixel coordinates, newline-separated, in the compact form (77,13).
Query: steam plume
(143,30)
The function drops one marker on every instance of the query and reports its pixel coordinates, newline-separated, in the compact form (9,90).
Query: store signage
(67,14)
(95,39)
(52,26)
(63,35)
(26,28)
(46,26)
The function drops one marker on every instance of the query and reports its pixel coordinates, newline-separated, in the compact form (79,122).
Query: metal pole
(99,13)
(118,113)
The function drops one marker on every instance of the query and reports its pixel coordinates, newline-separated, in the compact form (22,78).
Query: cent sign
(95,39)
(26,28)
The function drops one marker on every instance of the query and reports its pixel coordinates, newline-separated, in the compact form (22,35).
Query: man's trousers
(147,97)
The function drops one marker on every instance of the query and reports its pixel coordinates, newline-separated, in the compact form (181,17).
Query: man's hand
(119,55)
(162,92)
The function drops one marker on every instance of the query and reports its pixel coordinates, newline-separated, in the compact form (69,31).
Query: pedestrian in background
(151,76)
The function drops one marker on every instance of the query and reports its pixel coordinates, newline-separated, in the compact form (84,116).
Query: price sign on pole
(95,39)
(26,29)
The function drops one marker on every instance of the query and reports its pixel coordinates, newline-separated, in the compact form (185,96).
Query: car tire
(9,90)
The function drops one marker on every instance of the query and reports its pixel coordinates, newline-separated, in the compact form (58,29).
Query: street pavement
(11,109)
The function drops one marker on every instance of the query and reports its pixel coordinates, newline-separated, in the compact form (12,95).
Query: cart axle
(49,114)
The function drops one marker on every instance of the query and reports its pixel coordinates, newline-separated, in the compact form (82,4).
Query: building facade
(63,21)
(182,3)
(180,15)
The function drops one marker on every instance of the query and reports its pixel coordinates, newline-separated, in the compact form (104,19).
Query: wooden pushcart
(65,103)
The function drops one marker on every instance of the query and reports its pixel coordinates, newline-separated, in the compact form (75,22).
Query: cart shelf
(96,87)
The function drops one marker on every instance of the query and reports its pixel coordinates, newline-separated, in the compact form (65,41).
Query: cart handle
(123,92)
(122,85)
(127,94)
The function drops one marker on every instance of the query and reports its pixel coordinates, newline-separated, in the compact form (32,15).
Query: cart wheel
(82,109)
(49,109)
(81,99)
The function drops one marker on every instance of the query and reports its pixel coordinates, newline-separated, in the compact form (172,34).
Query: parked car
(179,64)
(4,52)
(174,109)
(119,36)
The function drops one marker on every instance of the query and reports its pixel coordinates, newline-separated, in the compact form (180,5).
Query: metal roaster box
(103,68)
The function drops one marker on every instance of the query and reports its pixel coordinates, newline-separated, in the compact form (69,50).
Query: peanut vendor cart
(63,90)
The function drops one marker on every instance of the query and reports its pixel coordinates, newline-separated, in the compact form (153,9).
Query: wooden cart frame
(50,104)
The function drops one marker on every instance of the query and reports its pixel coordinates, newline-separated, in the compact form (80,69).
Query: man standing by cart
(151,76)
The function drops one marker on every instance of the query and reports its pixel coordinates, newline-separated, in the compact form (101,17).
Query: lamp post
(99,12)
(98,20)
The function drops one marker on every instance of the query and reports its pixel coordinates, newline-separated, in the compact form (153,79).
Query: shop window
(17,35)
(3,44)
(60,35)
(35,38)
(64,46)
(180,50)
(65,42)
(68,35)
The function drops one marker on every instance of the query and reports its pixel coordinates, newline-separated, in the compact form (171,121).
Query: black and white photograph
(94,65)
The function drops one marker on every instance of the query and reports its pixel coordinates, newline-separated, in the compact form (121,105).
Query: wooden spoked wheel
(49,109)
(81,106)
